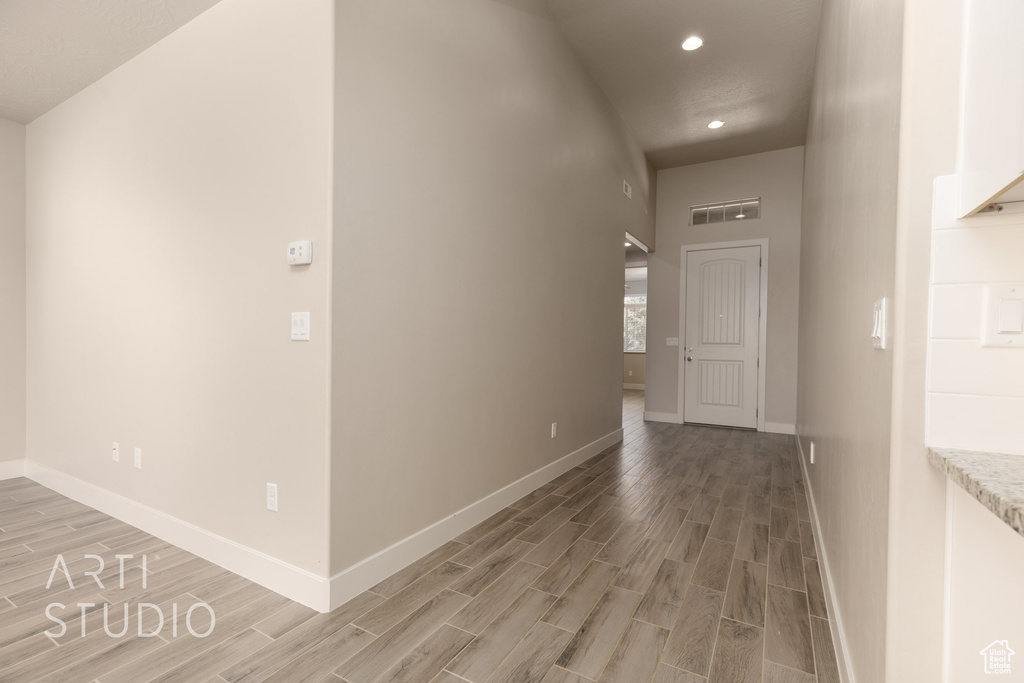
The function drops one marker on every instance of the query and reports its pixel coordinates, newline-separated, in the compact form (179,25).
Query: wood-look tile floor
(683,554)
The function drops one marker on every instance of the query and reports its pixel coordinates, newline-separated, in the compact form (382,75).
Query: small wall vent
(724,212)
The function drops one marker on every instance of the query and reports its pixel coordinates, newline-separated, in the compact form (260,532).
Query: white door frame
(762,323)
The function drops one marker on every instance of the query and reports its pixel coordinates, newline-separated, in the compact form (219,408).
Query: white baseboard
(280,577)
(317,592)
(780,428)
(838,635)
(634,386)
(357,578)
(12,469)
(662,417)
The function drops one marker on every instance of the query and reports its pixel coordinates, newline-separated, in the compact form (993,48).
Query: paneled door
(723,294)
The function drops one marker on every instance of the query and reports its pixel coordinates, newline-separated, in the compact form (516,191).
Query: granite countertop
(995,479)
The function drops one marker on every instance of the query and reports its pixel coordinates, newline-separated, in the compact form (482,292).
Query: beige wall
(160,203)
(637,363)
(469,129)
(776,177)
(914,585)
(12,290)
(847,262)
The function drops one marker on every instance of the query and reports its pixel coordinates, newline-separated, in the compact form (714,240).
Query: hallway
(680,555)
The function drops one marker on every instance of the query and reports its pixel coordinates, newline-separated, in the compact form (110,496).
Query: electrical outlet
(812,452)
(627,190)
(554,429)
(272,497)
(117,452)
(630,373)
(138,458)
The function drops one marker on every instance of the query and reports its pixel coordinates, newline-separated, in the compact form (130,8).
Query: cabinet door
(992,134)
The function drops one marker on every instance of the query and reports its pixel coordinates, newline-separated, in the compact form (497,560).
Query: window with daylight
(634,324)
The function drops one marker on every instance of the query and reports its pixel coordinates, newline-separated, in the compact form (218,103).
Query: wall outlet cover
(272,497)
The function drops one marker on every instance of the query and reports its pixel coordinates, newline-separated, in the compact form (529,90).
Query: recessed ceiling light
(628,244)
(716,124)
(692,43)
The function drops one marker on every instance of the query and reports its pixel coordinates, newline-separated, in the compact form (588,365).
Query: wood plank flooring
(684,553)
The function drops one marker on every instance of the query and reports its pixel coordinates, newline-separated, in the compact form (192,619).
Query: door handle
(689,358)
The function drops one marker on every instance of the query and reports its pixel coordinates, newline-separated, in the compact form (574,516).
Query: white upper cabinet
(992,125)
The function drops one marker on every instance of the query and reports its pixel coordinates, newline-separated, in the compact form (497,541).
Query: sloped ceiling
(51,49)
(754,71)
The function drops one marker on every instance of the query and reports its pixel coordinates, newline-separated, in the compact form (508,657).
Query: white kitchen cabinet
(992,126)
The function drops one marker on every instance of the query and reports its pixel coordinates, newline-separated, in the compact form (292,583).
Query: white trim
(317,592)
(352,581)
(662,417)
(762,332)
(636,242)
(838,634)
(280,577)
(12,469)
(780,428)
(634,386)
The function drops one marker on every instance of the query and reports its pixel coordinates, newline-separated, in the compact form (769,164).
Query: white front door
(721,341)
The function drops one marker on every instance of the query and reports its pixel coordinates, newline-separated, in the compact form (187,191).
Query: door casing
(762,323)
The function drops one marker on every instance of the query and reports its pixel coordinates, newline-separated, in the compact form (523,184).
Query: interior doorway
(634,333)
(723,318)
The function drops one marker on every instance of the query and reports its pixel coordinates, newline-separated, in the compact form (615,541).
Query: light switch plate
(1003,319)
(671,341)
(879,327)
(300,326)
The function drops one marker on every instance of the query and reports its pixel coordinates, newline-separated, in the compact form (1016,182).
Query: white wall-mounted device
(300,253)
(878,329)
(300,326)
(1004,316)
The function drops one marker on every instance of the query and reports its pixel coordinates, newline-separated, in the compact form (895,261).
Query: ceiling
(51,49)
(754,71)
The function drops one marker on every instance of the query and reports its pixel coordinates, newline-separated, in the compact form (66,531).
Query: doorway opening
(634,333)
